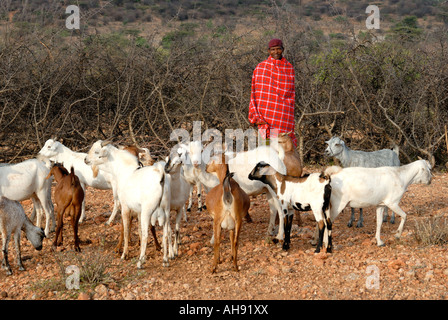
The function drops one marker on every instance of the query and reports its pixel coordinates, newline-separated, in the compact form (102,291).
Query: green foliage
(329,65)
(184,31)
(407,29)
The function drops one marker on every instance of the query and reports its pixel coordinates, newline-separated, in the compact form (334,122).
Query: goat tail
(332,170)
(327,197)
(72,176)
(162,184)
(227,194)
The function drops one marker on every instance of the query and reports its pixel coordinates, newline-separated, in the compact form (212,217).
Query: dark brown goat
(68,196)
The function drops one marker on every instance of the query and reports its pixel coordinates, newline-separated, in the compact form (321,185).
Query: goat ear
(95,170)
(266,170)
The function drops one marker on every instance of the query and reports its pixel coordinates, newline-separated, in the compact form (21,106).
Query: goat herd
(150,190)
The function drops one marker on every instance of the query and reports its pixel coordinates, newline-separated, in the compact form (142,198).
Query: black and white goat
(310,192)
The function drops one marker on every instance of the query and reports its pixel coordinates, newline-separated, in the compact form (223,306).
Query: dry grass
(432,231)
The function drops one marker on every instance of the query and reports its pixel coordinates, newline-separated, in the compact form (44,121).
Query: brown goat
(292,159)
(68,197)
(142,154)
(293,166)
(228,204)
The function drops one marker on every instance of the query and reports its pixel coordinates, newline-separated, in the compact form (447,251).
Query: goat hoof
(359,225)
(285,246)
(350,224)
(274,240)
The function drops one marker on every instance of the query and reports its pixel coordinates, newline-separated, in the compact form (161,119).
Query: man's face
(276,52)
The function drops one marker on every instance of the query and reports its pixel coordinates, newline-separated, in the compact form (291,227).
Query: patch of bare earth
(357,268)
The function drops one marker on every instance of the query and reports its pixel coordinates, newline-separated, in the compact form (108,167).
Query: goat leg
(321,226)
(5,262)
(217,236)
(156,242)
(288,224)
(17,246)
(76,214)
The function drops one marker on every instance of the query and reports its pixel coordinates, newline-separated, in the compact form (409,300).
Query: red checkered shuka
(272,97)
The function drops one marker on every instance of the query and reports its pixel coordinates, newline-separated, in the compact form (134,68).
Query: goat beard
(95,171)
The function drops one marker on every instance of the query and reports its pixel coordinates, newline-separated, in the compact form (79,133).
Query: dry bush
(431,231)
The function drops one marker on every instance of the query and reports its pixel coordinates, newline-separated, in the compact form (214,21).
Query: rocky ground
(357,269)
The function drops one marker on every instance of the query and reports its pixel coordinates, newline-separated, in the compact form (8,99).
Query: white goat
(12,221)
(57,152)
(381,187)
(356,158)
(311,191)
(140,191)
(194,171)
(26,180)
(180,190)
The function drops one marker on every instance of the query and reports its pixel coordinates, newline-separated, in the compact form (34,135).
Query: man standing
(272,96)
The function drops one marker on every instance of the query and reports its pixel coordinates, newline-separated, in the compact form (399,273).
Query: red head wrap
(275,43)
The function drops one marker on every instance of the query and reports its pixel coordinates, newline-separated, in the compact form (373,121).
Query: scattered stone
(83,296)
(396,264)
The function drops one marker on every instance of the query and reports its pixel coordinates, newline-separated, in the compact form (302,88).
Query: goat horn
(105,143)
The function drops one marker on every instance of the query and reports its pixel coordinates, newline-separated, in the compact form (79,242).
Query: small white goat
(381,187)
(194,171)
(310,192)
(12,221)
(57,152)
(26,180)
(356,158)
(140,191)
(180,191)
